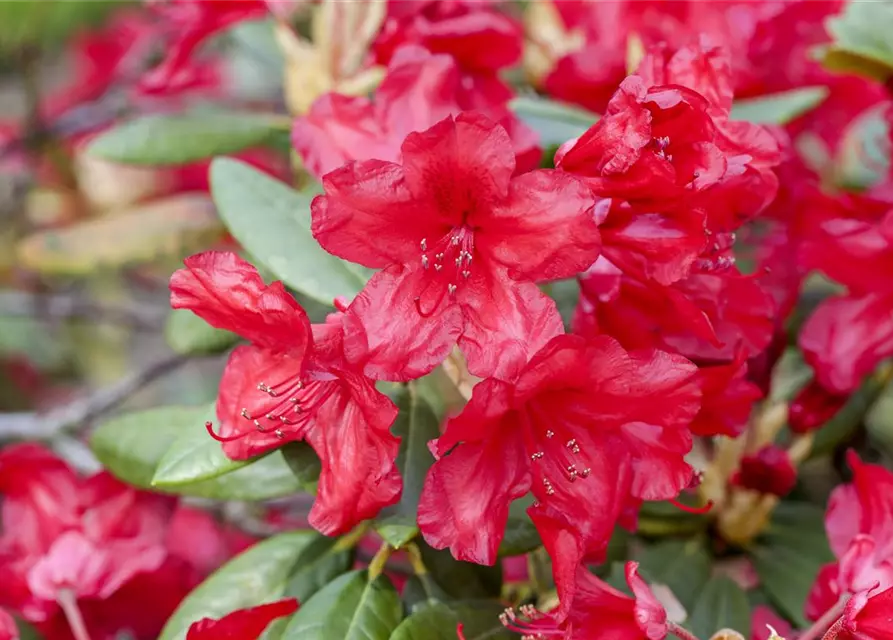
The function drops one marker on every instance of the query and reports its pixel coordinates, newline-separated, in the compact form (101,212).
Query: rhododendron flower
(813,407)
(419,90)
(589,608)
(859,523)
(482,40)
(727,400)
(848,335)
(8,628)
(292,384)
(243,624)
(67,537)
(460,243)
(584,426)
(769,470)
(868,616)
(192,23)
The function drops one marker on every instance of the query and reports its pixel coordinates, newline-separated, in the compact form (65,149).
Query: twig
(137,315)
(84,410)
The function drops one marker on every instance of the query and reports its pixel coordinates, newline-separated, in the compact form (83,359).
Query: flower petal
(243,623)
(228,293)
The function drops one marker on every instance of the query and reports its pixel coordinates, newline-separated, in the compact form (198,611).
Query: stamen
(210,428)
(695,510)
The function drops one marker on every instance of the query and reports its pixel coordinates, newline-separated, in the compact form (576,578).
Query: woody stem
(69,605)
(827,620)
(681,633)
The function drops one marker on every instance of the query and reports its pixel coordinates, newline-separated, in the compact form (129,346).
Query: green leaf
(419,590)
(256,576)
(194,456)
(461,579)
(788,557)
(186,333)
(263,478)
(779,108)
(131,445)
(555,122)
(319,564)
(863,157)
(860,40)
(520,535)
(438,621)
(722,605)
(416,424)
(304,464)
(272,222)
(182,138)
(682,565)
(352,607)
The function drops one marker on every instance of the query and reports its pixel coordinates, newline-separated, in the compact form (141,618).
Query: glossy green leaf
(416,424)
(256,576)
(420,590)
(721,605)
(860,40)
(520,534)
(186,333)
(779,108)
(304,464)
(131,445)
(461,579)
(272,222)
(171,139)
(789,554)
(555,122)
(437,621)
(351,607)
(194,456)
(319,564)
(682,565)
(263,478)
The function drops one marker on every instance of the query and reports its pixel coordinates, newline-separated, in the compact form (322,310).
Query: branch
(83,410)
(137,315)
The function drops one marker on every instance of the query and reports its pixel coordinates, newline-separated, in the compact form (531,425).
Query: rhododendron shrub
(542,320)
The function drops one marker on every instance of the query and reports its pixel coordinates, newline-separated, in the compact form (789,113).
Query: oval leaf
(256,576)
(173,226)
(722,604)
(682,565)
(860,40)
(555,122)
(194,456)
(352,607)
(263,478)
(438,621)
(131,445)
(319,564)
(186,333)
(183,138)
(779,108)
(272,222)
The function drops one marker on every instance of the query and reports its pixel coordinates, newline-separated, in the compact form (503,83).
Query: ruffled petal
(228,293)
(369,216)
(506,322)
(545,230)
(845,339)
(387,335)
(351,435)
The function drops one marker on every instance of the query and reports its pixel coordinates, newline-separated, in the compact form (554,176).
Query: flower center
(284,406)
(532,624)
(448,265)
(558,449)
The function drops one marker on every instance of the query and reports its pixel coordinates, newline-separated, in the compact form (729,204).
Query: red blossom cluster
(435,185)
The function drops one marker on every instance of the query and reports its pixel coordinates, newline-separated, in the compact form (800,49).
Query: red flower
(460,244)
(769,470)
(584,426)
(292,384)
(419,90)
(728,398)
(192,22)
(848,335)
(8,628)
(859,523)
(589,607)
(813,407)
(244,624)
(480,39)
(868,616)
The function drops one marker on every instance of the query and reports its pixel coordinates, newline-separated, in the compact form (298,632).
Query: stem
(350,540)
(827,620)
(377,564)
(679,632)
(415,559)
(69,605)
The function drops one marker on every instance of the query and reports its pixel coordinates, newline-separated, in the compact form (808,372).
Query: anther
(244,413)
(465,274)
(424,244)
(279,434)
(438,256)
(585,472)
(455,241)
(424,261)
(549,433)
(438,266)
(451,288)
(537,456)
